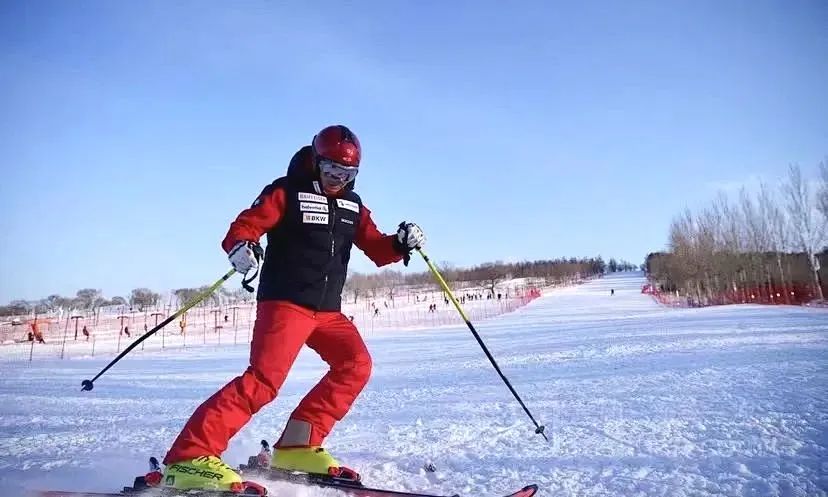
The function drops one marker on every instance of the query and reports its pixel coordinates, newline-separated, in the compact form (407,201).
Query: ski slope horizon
(637,398)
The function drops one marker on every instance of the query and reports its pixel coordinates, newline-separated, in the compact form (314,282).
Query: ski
(259,466)
(147,492)
(354,489)
(357,489)
(147,486)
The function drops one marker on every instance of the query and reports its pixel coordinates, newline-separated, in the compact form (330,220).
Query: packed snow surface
(638,400)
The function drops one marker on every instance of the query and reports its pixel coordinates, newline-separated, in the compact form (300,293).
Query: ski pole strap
(246,281)
(399,247)
(258,252)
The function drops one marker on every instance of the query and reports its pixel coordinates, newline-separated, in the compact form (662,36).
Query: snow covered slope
(638,399)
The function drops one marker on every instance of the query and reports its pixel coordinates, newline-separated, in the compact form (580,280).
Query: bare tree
(779,232)
(58,302)
(87,297)
(99,301)
(756,224)
(184,295)
(351,286)
(143,298)
(213,299)
(681,246)
(373,284)
(358,285)
(822,190)
(491,274)
(392,281)
(709,252)
(726,252)
(15,308)
(237,295)
(809,228)
(757,241)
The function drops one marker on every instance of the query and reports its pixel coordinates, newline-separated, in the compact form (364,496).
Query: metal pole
(76,318)
(65,333)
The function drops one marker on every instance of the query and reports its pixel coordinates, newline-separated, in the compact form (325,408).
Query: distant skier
(311,217)
(612,292)
(36,334)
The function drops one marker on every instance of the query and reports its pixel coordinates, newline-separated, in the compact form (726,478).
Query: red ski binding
(344,473)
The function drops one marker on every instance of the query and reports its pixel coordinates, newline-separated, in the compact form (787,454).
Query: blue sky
(132,133)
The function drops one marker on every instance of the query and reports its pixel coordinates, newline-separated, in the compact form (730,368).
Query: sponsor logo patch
(311,218)
(347,204)
(347,221)
(312,207)
(312,197)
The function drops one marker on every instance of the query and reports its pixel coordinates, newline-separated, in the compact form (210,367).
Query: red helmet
(338,144)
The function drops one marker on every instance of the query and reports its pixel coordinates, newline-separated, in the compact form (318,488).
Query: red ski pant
(280,330)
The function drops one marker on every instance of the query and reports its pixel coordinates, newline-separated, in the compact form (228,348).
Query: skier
(36,333)
(311,217)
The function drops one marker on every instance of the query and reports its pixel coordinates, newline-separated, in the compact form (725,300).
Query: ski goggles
(334,170)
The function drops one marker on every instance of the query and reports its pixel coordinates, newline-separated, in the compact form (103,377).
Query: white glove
(245,256)
(410,236)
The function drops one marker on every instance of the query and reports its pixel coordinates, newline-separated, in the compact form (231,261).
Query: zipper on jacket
(332,208)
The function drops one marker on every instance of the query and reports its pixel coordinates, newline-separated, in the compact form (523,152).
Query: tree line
(386,283)
(770,243)
(488,275)
(86,299)
(89,300)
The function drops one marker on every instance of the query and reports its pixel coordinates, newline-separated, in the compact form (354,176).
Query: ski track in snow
(638,400)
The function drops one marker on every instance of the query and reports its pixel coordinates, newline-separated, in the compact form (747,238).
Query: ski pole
(87,385)
(538,427)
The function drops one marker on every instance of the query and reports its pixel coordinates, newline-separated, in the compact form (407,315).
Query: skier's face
(335,176)
(331,186)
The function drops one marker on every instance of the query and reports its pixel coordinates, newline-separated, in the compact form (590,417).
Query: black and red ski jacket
(309,237)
